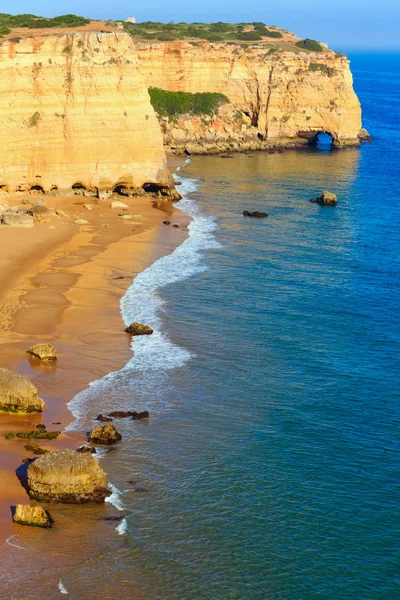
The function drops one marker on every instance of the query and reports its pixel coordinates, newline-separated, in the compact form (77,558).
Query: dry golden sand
(61,283)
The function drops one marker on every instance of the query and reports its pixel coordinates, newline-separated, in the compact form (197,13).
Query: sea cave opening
(323,141)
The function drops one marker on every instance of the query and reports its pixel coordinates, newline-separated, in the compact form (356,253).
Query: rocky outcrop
(278,97)
(256,213)
(67,476)
(139,329)
(17,217)
(18,394)
(326,199)
(35,516)
(43,352)
(105,434)
(75,116)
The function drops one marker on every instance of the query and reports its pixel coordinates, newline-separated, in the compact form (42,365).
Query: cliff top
(241,34)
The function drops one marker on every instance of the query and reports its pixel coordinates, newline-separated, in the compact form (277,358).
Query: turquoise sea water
(270,466)
(271,463)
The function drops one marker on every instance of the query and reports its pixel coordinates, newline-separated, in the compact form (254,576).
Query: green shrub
(330,71)
(272,33)
(249,36)
(310,45)
(174,104)
(34,22)
(10,436)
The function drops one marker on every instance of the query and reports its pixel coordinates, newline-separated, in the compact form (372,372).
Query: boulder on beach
(18,394)
(67,476)
(16,217)
(43,351)
(139,329)
(105,434)
(326,199)
(118,204)
(34,516)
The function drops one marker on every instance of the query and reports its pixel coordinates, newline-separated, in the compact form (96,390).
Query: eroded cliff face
(283,98)
(75,111)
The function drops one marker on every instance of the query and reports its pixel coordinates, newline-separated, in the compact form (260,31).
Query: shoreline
(68,293)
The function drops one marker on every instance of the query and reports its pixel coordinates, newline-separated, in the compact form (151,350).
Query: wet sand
(61,283)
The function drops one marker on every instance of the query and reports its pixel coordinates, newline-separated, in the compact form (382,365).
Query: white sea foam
(155,354)
(62,588)
(115,498)
(10,543)
(122,527)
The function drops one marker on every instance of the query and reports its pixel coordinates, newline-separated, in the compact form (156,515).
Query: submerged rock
(136,416)
(34,516)
(166,222)
(103,418)
(105,434)
(67,476)
(326,199)
(144,414)
(256,213)
(86,450)
(18,394)
(81,222)
(139,329)
(43,352)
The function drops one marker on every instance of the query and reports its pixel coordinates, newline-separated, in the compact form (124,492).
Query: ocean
(269,467)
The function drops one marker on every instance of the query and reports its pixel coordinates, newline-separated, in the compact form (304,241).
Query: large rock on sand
(43,352)
(139,329)
(67,476)
(35,516)
(18,394)
(105,434)
(17,218)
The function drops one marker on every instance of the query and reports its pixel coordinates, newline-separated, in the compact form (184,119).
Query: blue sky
(341,23)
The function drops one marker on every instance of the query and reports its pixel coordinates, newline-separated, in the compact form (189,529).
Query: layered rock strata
(75,115)
(67,476)
(278,98)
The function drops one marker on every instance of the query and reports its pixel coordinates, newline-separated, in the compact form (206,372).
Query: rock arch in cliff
(315,136)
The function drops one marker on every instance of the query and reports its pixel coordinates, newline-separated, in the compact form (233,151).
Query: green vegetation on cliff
(212,32)
(174,104)
(330,71)
(308,44)
(8,22)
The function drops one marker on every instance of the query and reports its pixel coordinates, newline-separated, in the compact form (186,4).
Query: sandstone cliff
(75,113)
(278,97)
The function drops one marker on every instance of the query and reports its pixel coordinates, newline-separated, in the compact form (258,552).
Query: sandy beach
(61,283)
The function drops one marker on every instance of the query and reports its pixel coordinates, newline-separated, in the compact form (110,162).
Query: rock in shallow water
(67,476)
(256,213)
(34,516)
(139,329)
(326,199)
(18,394)
(105,434)
(43,352)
